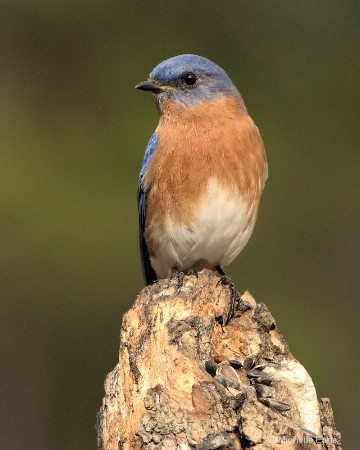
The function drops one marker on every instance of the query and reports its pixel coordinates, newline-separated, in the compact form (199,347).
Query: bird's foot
(192,272)
(234,295)
(179,276)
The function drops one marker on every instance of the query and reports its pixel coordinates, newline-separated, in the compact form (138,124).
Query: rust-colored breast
(217,139)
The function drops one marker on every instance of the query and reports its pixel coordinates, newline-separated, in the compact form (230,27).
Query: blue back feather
(148,272)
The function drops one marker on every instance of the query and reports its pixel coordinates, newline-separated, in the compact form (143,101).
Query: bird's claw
(234,295)
(192,272)
(179,276)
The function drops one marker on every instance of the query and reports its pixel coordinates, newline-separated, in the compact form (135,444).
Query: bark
(185,380)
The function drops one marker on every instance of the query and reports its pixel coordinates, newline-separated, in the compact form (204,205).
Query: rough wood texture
(159,396)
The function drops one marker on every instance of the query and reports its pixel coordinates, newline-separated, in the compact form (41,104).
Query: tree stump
(186,380)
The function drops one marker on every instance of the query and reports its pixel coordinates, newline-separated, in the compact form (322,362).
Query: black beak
(152,86)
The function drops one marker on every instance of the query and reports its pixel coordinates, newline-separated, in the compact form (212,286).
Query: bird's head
(188,80)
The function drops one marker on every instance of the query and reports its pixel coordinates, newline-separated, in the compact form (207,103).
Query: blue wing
(148,272)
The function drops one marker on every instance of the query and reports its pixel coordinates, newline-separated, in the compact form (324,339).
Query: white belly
(220,230)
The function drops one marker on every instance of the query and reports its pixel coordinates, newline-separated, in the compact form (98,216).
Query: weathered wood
(159,396)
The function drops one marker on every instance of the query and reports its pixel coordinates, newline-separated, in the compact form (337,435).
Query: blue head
(188,80)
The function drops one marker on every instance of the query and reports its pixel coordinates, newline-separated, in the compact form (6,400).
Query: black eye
(190,79)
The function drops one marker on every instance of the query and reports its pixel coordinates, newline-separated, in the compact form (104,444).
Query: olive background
(73,131)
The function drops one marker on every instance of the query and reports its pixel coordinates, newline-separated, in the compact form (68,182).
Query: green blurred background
(73,133)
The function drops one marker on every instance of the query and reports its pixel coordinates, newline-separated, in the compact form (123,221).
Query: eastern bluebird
(203,171)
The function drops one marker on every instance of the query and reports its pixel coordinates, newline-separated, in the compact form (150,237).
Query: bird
(203,171)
